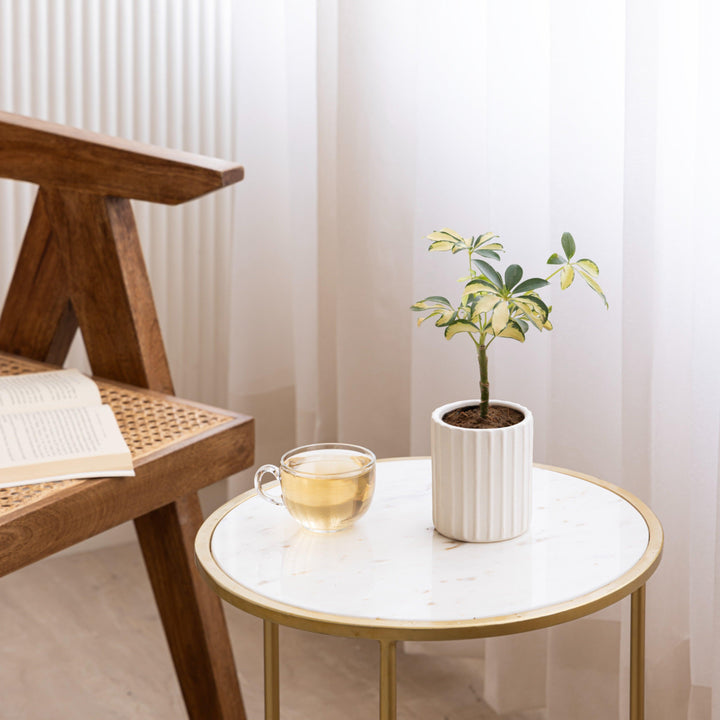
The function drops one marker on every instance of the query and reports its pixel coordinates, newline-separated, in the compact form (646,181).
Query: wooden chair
(81,266)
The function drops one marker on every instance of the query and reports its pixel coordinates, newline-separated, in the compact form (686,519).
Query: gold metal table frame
(389,632)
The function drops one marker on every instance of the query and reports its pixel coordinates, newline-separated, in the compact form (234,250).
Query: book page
(47,390)
(61,442)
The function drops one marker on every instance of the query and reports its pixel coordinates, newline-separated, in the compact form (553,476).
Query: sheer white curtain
(527,119)
(363,126)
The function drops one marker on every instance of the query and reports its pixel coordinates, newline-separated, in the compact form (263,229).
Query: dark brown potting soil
(469,417)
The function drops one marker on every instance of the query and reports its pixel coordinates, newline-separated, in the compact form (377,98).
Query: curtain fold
(363,127)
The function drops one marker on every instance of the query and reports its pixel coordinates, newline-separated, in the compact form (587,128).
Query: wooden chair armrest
(53,155)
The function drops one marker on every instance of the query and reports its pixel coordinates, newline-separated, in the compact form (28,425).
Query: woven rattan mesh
(147,422)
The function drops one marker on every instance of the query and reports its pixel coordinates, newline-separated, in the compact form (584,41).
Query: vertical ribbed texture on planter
(482,479)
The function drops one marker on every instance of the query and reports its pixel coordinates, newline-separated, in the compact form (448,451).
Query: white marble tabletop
(392,565)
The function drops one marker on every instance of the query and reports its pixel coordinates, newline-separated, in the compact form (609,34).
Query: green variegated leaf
(531,312)
(567,275)
(500,317)
(523,325)
(530,284)
(513,275)
(568,245)
(485,304)
(441,245)
(445,234)
(484,252)
(528,307)
(537,300)
(547,325)
(454,234)
(430,302)
(458,327)
(588,266)
(490,273)
(447,239)
(461,243)
(493,246)
(438,299)
(479,285)
(594,285)
(443,317)
(420,307)
(479,268)
(514,332)
(555,259)
(486,237)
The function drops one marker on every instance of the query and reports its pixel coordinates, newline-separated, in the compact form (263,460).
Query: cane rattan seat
(151,423)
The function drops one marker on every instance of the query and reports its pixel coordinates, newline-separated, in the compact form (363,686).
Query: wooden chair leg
(191,613)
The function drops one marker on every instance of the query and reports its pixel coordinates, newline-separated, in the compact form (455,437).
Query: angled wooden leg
(193,619)
(38,320)
(109,287)
(110,292)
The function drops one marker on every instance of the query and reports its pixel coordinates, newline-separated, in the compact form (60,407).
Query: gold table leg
(388,680)
(637,654)
(272,670)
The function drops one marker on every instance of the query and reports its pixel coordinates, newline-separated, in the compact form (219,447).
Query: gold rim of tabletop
(379,629)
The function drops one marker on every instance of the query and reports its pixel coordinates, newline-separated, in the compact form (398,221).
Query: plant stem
(554,274)
(484,382)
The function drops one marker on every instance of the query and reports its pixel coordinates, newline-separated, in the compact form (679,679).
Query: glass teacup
(325,487)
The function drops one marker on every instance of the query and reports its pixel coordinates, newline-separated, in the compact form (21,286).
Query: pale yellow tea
(326,490)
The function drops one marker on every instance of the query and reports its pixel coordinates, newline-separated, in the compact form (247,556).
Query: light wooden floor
(81,639)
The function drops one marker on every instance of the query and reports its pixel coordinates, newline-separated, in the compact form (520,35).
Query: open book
(53,426)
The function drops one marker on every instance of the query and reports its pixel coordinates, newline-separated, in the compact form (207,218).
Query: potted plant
(482,449)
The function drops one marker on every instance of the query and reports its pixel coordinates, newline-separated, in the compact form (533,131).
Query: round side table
(392,577)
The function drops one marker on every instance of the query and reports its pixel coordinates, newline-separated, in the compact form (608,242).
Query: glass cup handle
(259,486)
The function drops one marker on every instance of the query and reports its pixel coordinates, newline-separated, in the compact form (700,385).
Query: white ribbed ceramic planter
(481,479)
